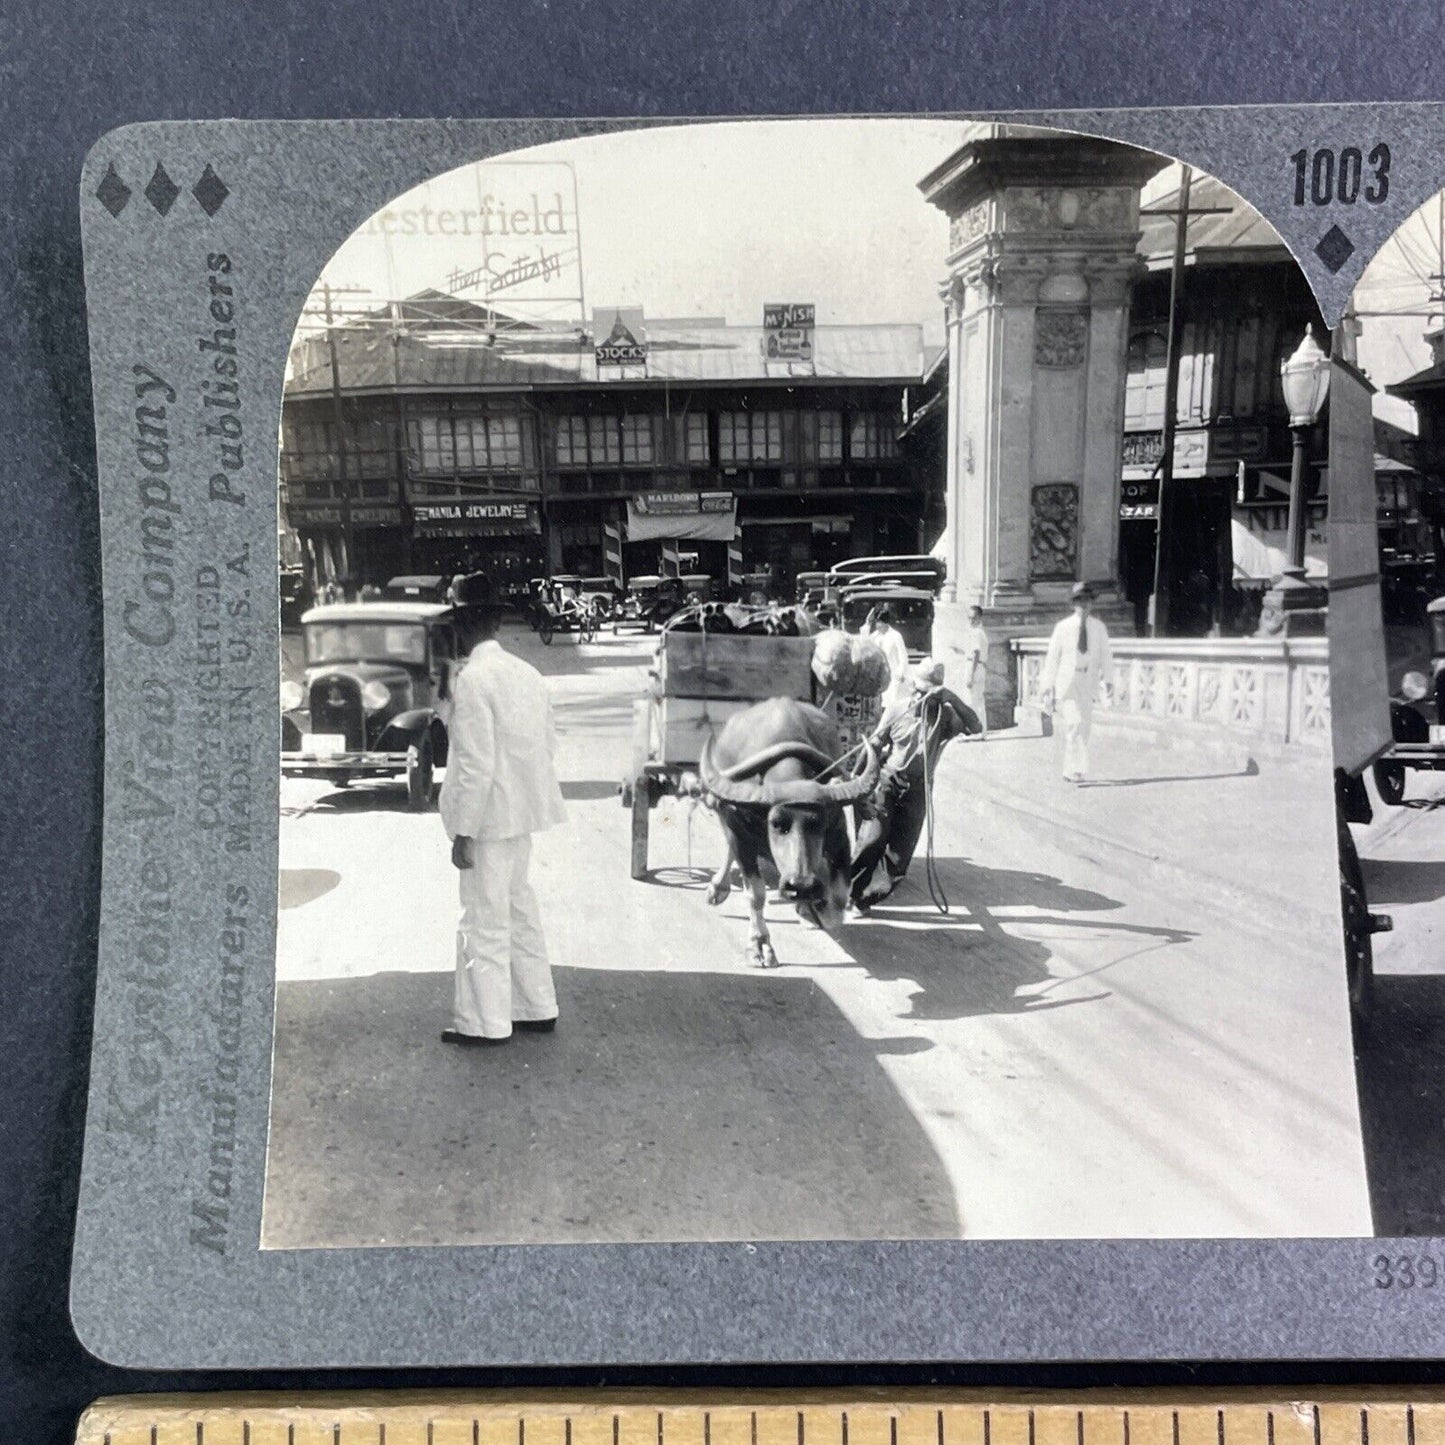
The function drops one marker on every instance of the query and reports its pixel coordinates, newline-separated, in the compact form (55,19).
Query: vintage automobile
(650,601)
(293,592)
(601,595)
(377,676)
(418,589)
(908,570)
(911,609)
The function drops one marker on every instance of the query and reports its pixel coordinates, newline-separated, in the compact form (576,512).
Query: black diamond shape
(211,191)
(161,190)
(112,192)
(1334,248)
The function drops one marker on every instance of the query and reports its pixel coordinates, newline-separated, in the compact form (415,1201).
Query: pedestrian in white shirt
(500,788)
(1078,664)
(880,628)
(974,682)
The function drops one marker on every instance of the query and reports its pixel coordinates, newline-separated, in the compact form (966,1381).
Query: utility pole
(347,546)
(1159,617)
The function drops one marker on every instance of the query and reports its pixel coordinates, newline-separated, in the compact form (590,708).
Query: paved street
(1402,1065)
(1120,1029)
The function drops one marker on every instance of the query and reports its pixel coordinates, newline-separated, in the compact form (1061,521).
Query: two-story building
(1243,306)
(468,442)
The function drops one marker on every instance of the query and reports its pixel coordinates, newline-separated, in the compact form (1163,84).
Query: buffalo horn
(727,790)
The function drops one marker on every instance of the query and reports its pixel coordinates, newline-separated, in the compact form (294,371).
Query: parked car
(911,607)
(650,601)
(418,589)
(377,682)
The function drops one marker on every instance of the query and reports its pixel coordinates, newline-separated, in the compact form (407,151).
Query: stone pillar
(1043,237)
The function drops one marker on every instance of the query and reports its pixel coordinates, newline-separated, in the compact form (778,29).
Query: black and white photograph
(806,703)
(1392,754)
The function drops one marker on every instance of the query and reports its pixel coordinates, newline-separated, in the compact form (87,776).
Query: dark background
(69,72)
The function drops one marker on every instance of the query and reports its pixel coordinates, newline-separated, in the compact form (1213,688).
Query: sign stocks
(788,330)
(618,336)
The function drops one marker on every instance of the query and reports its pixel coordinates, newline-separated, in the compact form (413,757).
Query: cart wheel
(641,808)
(419,772)
(1359,950)
(545,632)
(1390,780)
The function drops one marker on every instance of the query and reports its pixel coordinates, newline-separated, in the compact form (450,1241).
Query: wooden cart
(697,683)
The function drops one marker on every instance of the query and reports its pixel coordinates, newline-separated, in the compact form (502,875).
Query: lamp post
(1293,604)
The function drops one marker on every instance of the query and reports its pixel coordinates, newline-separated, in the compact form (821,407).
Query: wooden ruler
(882,1417)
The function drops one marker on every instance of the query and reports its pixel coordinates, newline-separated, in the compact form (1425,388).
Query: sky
(711,220)
(1398,279)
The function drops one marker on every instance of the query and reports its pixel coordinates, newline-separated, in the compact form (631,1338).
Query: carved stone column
(1043,237)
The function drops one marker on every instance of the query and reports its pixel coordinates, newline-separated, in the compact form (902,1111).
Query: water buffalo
(766,775)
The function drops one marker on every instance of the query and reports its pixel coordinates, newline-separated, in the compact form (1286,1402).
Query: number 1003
(1325,176)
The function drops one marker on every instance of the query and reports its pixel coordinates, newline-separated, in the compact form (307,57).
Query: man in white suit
(500,788)
(1078,663)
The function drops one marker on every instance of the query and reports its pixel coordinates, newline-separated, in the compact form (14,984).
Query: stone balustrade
(1265,690)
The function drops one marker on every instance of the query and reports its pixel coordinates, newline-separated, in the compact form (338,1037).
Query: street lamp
(1293,604)
(1305,378)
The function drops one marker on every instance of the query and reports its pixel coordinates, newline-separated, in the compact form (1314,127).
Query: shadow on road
(1398,880)
(972,963)
(588,790)
(299,886)
(1250,770)
(667,1106)
(1401,1065)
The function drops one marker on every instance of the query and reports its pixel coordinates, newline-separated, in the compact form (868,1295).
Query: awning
(1260,555)
(706,517)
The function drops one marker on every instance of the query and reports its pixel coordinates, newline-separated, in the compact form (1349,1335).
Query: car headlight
(292,695)
(375,696)
(1414,686)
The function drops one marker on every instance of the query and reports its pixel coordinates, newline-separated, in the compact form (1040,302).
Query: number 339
(1406,1272)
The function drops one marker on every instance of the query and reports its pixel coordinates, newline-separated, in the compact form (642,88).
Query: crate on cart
(699,681)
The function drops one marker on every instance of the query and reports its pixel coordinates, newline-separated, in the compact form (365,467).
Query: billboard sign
(788,330)
(618,336)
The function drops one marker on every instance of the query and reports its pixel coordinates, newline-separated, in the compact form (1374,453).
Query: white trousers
(502,968)
(1076,715)
(974,695)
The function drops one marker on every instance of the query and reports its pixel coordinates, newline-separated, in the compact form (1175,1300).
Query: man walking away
(975,667)
(879,627)
(911,736)
(1078,663)
(500,788)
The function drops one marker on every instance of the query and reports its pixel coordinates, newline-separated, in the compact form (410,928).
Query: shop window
(636,440)
(696,440)
(602,443)
(446,444)
(750,436)
(830,436)
(872,437)
(1144,382)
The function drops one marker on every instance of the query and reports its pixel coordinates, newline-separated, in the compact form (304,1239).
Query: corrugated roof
(1240,229)
(385,358)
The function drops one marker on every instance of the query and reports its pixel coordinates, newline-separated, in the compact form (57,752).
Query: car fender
(404,729)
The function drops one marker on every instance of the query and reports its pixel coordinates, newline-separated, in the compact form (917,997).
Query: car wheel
(1390,780)
(544,631)
(420,769)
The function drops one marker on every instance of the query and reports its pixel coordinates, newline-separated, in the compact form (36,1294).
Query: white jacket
(500,781)
(1067,672)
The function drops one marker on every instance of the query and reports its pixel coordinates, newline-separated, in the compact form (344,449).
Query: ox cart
(699,681)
